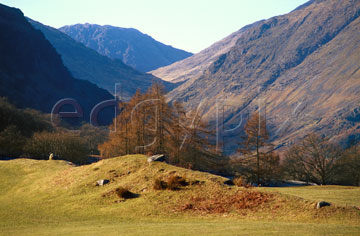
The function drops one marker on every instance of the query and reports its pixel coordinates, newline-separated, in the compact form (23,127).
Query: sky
(191,25)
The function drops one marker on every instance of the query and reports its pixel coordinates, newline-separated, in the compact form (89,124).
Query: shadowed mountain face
(304,66)
(130,45)
(32,73)
(87,64)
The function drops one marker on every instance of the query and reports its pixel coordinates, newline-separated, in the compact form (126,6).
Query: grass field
(339,195)
(56,198)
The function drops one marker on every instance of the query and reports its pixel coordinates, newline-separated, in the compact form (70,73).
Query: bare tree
(315,158)
(350,166)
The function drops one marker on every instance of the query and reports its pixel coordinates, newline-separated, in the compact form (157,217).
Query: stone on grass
(322,204)
(102,182)
(160,157)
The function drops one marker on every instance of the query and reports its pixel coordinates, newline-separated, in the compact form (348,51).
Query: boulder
(160,157)
(102,182)
(322,204)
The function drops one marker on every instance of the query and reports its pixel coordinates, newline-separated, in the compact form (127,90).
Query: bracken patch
(220,203)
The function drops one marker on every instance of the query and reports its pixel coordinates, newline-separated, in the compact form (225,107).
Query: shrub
(124,193)
(238,181)
(241,182)
(159,185)
(175,182)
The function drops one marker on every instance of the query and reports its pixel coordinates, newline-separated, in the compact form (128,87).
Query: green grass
(181,227)
(55,198)
(339,195)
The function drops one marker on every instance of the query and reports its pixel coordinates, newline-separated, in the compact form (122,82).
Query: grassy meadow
(58,198)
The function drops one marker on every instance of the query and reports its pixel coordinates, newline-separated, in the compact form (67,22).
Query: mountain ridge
(87,64)
(192,67)
(264,64)
(32,73)
(133,47)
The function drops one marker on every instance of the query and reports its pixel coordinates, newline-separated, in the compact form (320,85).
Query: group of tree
(314,159)
(18,125)
(148,124)
(29,133)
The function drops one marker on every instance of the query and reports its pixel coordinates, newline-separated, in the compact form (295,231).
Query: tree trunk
(257,161)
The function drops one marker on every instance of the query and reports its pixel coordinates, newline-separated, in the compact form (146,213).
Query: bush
(238,181)
(159,185)
(173,183)
(241,182)
(124,193)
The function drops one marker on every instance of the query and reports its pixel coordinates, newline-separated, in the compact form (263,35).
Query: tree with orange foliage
(148,124)
(257,151)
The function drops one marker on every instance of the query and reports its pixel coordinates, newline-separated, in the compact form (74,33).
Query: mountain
(130,45)
(87,64)
(31,71)
(192,67)
(302,66)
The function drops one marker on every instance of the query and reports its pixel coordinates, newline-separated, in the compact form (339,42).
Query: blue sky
(191,25)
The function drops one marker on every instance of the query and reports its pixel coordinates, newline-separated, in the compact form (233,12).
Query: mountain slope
(32,73)
(130,45)
(192,67)
(303,65)
(87,64)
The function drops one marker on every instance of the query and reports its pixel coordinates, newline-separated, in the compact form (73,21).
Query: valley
(104,130)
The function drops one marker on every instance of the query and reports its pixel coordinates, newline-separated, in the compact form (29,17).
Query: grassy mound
(52,193)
